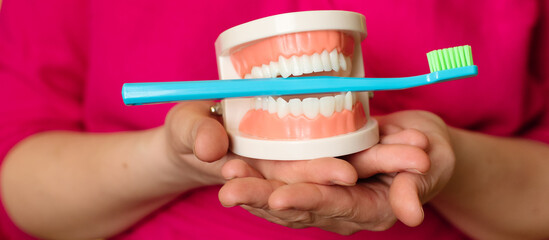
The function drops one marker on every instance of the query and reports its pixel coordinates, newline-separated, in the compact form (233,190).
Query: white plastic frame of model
(296,127)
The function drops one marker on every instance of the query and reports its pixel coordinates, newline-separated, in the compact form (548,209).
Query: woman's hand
(196,143)
(411,164)
(197,147)
(80,179)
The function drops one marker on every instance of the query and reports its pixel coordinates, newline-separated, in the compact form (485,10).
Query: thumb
(192,129)
(404,199)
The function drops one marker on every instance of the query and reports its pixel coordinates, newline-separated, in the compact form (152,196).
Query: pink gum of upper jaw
(265,125)
(298,44)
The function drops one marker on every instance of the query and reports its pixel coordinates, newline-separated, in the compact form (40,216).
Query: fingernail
(229,177)
(411,170)
(341,183)
(228,204)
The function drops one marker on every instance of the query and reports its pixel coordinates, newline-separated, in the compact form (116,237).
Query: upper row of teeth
(299,65)
(310,107)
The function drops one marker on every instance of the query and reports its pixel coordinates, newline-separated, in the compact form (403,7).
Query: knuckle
(306,218)
(422,161)
(417,138)
(301,218)
(383,225)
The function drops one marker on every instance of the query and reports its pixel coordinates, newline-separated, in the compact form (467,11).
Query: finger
(302,219)
(404,199)
(301,196)
(238,168)
(290,218)
(253,192)
(386,129)
(409,136)
(390,159)
(333,207)
(326,171)
(271,216)
(330,201)
(192,129)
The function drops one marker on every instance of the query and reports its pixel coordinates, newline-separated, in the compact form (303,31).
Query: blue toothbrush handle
(160,92)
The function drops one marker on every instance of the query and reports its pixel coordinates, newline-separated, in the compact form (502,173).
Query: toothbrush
(445,65)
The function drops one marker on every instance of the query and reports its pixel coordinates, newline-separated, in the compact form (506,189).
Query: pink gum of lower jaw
(293,44)
(264,125)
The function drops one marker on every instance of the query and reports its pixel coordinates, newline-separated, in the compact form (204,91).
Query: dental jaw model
(296,127)
(322,48)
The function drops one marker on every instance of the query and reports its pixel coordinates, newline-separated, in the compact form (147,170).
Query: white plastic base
(339,145)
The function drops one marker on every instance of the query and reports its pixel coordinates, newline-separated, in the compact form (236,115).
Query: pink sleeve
(42,69)
(539,130)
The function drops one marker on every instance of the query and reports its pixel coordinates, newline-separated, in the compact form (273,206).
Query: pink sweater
(62,65)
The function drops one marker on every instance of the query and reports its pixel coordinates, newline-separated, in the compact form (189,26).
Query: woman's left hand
(412,163)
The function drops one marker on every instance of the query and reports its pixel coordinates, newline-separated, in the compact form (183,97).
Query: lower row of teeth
(299,65)
(310,107)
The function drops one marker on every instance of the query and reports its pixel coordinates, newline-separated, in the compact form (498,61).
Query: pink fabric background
(62,65)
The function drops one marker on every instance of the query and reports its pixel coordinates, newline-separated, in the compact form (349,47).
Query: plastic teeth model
(296,127)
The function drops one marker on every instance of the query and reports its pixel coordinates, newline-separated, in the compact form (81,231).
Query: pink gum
(262,124)
(303,43)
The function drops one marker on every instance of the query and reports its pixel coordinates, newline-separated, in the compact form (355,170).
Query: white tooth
(327,106)
(349,63)
(339,102)
(258,103)
(296,66)
(342,62)
(306,64)
(265,104)
(326,65)
(348,103)
(317,63)
(248,76)
(311,107)
(273,66)
(256,72)
(295,107)
(272,105)
(284,66)
(266,71)
(334,59)
(282,107)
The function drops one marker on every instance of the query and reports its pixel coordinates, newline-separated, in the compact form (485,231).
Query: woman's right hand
(197,144)
(67,184)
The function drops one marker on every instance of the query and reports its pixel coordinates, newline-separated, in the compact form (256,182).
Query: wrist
(459,141)
(164,167)
(182,171)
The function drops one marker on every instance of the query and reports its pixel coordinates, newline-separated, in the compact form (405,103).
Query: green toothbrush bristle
(448,58)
